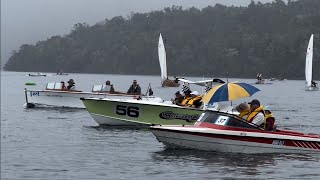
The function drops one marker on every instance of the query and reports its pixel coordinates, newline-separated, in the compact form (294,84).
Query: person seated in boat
(314,84)
(244,110)
(108,87)
(71,85)
(63,86)
(178,98)
(134,88)
(195,100)
(257,114)
(186,98)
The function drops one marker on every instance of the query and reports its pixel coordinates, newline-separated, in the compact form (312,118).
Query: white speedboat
(37,74)
(308,68)
(223,132)
(55,96)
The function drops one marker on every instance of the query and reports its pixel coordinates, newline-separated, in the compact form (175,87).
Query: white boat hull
(311,88)
(191,141)
(67,99)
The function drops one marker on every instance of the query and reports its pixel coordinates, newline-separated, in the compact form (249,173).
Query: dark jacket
(134,90)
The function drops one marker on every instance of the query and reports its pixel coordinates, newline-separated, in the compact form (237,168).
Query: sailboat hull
(312,88)
(169,83)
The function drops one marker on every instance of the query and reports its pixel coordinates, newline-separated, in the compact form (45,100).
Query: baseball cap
(195,93)
(255,101)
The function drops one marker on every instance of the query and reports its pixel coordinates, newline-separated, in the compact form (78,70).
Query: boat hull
(69,99)
(138,113)
(312,88)
(235,143)
(169,83)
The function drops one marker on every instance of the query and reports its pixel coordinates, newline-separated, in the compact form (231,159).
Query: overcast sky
(28,21)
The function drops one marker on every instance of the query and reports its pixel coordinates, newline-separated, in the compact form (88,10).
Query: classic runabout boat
(56,96)
(123,112)
(223,132)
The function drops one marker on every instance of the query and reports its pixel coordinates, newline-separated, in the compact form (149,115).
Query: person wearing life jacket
(244,110)
(187,98)
(257,114)
(195,100)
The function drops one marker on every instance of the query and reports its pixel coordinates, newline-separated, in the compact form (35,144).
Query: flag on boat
(185,87)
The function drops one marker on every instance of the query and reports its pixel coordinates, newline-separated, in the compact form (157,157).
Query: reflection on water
(251,165)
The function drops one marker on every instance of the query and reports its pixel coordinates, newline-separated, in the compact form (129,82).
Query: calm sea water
(68,144)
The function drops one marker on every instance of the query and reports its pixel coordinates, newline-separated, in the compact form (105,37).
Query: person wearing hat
(71,85)
(257,114)
(134,88)
(108,87)
(244,110)
(195,100)
(178,98)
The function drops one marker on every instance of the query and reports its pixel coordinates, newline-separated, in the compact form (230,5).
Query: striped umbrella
(229,92)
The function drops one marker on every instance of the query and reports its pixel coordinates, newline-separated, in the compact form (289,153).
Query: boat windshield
(54,86)
(224,119)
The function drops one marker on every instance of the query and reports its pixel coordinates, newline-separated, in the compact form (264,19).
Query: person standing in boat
(71,85)
(257,114)
(108,87)
(134,88)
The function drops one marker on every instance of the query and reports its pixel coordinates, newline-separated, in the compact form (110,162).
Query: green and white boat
(139,112)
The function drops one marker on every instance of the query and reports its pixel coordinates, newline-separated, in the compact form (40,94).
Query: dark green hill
(216,41)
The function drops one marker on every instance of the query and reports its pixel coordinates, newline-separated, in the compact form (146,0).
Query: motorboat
(37,74)
(224,132)
(310,86)
(54,95)
(144,112)
(166,82)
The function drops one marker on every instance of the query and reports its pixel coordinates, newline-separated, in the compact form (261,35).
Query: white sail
(162,58)
(308,70)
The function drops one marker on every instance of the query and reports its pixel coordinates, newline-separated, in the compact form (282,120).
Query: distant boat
(61,73)
(56,95)
(308,69)
(166,82)
(38,74)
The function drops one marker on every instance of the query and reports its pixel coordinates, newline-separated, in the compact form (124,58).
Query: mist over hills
(230,41)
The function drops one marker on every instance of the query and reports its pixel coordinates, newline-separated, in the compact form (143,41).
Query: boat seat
(270,124)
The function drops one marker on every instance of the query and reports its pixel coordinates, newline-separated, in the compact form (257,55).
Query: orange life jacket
(185,101)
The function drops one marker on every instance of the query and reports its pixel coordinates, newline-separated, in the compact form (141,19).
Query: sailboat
(166,82)
(308,71)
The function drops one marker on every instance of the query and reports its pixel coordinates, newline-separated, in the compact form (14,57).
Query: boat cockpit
(209,118)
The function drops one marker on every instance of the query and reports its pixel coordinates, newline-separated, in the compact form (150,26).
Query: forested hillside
(215,41)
